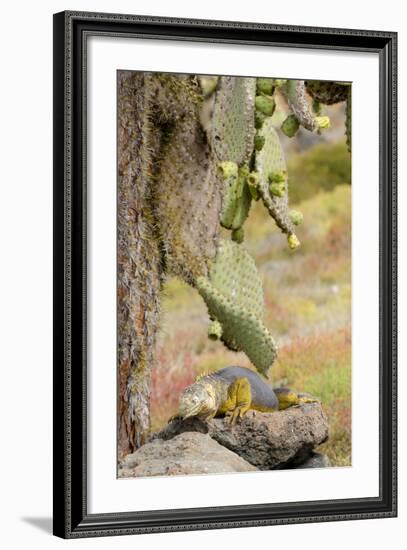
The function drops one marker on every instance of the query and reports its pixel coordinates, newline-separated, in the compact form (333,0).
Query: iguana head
(197,400)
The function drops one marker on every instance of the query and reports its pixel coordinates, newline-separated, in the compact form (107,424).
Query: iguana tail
(289,398)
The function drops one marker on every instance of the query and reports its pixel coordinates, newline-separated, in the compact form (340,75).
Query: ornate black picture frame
(71,517)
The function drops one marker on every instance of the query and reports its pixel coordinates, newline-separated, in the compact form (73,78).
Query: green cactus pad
(232,130)
(270,162)
(237,198)
(234,297)
(327,93)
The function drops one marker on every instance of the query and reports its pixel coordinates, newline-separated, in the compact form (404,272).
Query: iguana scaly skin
(233,391)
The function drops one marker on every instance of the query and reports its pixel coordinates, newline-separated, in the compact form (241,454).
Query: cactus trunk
(138,262)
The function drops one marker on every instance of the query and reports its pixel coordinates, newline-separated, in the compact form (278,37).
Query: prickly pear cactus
(232,128)
(233,294)
(295,92)
(273,180)
(194,152)
(187,183)
(327,93)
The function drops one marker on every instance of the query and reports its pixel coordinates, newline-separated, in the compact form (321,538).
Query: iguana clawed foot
(232,416)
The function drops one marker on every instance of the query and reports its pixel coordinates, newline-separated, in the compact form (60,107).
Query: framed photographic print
(224,274)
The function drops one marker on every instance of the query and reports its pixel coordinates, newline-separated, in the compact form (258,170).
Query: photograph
(234,274)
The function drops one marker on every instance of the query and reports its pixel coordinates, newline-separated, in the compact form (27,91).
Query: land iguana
(232,391)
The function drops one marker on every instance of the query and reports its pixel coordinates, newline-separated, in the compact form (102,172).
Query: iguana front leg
(239,400)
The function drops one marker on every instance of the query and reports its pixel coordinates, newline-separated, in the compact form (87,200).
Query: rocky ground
(260,441)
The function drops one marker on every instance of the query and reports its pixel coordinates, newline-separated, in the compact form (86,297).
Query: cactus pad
(270,164)
(234,297)
(295,92)
(188,186)
(232,130)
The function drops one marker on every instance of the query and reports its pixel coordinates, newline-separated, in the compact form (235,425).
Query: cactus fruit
(238,235)
(278,189)
(327,93)
(265,85)
(265,105)
(290,126)
(278,82)
(232,126)
(237,197)
(270,165)
(253,183)
(277,177)
(259,142)
(234,297)
(322,122)
(214,330)
(293,241)
(229,170)
(259,118)
(296,217)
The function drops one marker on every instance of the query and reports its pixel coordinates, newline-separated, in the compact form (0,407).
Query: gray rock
(266,440)
(315,460)
(186,453)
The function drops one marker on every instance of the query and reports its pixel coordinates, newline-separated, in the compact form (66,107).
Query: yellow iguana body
(233,391)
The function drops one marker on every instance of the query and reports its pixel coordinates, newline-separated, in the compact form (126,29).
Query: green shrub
(318,169)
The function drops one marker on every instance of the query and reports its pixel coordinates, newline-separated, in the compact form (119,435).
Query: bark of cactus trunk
(138,263)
